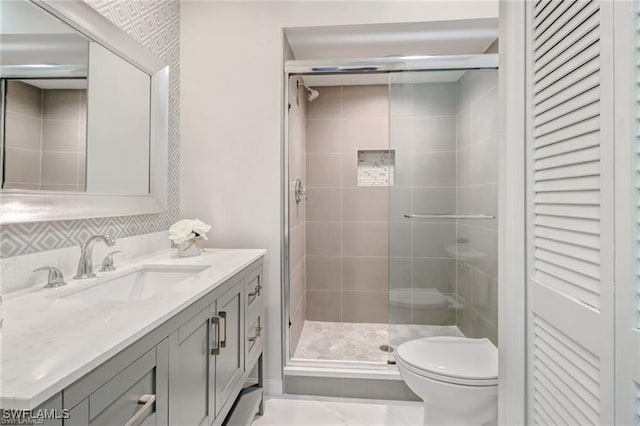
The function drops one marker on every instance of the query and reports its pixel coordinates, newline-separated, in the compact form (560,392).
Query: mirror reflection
(73,111)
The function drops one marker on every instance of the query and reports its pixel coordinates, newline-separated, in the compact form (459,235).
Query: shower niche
(376,167)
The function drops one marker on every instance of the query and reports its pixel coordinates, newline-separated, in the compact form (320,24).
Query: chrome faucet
(85,265)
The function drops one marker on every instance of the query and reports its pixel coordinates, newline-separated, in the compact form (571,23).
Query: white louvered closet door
(627,195)
(570,286)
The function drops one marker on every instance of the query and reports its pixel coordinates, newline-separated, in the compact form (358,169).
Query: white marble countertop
(48,341)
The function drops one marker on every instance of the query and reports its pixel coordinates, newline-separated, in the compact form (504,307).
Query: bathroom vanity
(161,341)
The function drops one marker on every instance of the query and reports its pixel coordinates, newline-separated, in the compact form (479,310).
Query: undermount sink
(137,284)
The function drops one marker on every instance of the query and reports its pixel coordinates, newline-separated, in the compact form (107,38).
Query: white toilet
(457,378)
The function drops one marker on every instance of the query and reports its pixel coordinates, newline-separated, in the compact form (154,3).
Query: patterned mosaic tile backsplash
(155,24)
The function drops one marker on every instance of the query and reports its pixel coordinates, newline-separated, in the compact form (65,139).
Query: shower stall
(391,191)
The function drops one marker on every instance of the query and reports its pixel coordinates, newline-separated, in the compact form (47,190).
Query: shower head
(312,94)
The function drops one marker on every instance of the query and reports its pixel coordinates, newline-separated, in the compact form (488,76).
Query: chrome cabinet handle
(55,278)
(255,337)
(256,291)
(147,402)
(107,262)
(223,342)
(215,324)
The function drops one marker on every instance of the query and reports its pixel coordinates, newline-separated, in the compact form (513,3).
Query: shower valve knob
(300,191)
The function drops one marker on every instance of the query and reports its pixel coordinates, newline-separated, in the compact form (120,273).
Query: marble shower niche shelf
(376,167)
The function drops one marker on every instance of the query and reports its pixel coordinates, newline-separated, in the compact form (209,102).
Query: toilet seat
(455,360)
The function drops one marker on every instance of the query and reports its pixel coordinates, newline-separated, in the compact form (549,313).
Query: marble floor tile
(344,341)
(320,411)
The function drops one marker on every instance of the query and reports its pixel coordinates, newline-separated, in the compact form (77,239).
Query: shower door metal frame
(385,65)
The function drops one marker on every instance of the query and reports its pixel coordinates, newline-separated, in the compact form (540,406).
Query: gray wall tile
(297,285)
(323,238)
(323,170)
(365,101)
(434,134)
(434,169)
(324,136)
(317,386)
(61,104)
(433,239)
(22,131)
(323,204)
(324,272)
(324,305)
(434,200)
(24,99)
(327,105)
(365,274)
(434,99)
(435,273)
(60,168)
(61,135)
(365,306)
(365,204)
(22,166)
(365,133)
(477,244)
(365,239)
(393,390)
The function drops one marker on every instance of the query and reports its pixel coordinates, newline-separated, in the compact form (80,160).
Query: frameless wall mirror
(83,126)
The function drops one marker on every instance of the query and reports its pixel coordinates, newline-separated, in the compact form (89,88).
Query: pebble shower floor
(346,341)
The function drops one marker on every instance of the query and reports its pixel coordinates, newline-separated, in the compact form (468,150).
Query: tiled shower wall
(347,226)
(45,137)
(297,170)
(23,136)
(155,24)
(477,157)
(64,139)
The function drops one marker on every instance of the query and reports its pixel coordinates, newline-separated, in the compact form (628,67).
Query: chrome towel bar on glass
(449,216)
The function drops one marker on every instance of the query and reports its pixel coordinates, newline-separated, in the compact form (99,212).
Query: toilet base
(452,404)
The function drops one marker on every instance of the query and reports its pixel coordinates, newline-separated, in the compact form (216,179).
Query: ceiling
(460,37)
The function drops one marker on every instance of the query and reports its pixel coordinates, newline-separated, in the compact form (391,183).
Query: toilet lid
(452,357)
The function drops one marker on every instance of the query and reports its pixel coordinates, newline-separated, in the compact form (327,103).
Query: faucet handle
(107,262)
(56,278)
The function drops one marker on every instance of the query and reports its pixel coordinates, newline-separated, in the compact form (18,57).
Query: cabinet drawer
(138,392)
(253,342)
(253,295)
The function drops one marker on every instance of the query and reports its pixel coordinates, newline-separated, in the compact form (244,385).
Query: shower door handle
(449,216)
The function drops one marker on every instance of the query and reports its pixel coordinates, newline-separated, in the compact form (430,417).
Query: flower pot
(189,248)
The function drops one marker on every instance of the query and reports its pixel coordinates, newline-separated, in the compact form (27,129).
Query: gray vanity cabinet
(189,364)
(206,368)
(229,361)
(138,395)
(195,365)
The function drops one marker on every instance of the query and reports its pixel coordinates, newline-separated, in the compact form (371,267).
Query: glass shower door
(422,238)
(443,232)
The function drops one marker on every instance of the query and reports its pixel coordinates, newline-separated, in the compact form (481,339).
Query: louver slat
(566,141)
(566,378)
(547,48)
